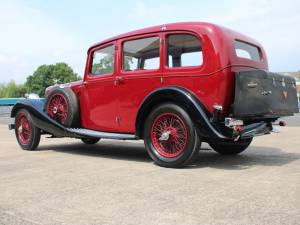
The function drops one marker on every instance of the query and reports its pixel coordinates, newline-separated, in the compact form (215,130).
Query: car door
(139,74)
(100,97)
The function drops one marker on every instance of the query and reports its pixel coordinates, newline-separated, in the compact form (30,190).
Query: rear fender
(185,99)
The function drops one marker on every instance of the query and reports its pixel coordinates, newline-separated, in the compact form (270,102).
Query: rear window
(246,51)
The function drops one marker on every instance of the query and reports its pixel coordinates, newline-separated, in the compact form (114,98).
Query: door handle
(119,80)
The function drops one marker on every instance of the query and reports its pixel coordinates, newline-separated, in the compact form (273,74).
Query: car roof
(165,27)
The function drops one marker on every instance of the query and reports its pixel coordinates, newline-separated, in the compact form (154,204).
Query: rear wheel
(62,106)
(90,141)
(231,147)
(27,134)
(170,136)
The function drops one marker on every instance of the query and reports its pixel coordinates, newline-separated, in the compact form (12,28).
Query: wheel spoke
(169,135)
(24,129)
(58,108)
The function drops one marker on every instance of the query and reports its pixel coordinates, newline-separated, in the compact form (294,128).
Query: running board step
(100,134)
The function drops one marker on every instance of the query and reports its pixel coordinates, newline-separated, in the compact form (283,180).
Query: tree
(12,90)
(47,75)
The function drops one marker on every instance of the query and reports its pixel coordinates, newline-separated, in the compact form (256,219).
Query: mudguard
(47,124)
(40,118)
(184,98)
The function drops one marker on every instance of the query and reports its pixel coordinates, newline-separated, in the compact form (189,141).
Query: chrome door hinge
(161,80)
(118,120)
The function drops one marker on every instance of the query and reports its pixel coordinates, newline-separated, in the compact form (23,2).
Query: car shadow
(253,156)
(120,150)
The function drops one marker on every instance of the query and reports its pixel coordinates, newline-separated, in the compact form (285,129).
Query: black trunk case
(263,94)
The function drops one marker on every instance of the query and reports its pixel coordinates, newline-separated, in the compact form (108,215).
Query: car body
(211,78)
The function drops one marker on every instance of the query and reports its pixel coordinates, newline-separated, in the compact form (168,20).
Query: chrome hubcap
(20,129)
(165,136)
(54,110)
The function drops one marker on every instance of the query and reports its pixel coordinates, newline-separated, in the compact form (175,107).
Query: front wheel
(27,134)
(231,147)
(170,136)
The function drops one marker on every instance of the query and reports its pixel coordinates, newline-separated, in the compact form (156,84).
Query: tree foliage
(12,90)
(44,76)
(47,75)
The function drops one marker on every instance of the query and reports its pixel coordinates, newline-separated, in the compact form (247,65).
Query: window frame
(90,74)
(184,68)
(133,38)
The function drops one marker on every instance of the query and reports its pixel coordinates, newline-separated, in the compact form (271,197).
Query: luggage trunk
(261,94)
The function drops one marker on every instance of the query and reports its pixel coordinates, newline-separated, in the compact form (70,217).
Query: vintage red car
(174,86)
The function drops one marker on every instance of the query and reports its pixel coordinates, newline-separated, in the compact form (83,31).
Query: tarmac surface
(115,182)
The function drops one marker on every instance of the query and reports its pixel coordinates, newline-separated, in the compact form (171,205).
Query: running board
(99,134)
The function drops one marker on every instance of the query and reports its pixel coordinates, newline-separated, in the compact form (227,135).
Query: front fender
(40,118)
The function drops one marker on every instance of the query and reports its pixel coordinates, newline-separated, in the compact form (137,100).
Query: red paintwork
(109,107)
(177,135)
(57,108)
(24,129)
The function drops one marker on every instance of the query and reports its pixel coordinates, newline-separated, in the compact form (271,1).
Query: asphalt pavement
(115,182)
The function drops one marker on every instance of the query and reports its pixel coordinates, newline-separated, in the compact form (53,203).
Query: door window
(103,61)
(141,54)
(183,50)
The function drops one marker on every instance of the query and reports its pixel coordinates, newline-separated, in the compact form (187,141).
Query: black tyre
(170,136)
(62,105)
(27,134)
(90,141)
(231,147)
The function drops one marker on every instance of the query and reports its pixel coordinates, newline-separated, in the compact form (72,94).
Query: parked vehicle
(174,86)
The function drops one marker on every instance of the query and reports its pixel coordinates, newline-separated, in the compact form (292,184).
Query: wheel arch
(182,97)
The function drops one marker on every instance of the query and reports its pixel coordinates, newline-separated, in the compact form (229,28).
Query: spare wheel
(62,105)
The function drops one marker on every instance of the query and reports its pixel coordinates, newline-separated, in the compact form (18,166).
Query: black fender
(40,118)
(185,99)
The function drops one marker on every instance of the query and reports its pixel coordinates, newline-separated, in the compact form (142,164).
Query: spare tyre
(62,105)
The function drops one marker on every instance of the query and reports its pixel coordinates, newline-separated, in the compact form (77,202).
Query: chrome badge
(285,94)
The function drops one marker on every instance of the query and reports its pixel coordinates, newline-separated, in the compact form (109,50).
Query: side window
(141,54)
(183,50)
(247,51)
(103,61)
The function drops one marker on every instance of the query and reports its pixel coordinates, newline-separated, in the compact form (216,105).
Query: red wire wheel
(57,108)
(169,135)
(23,129)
